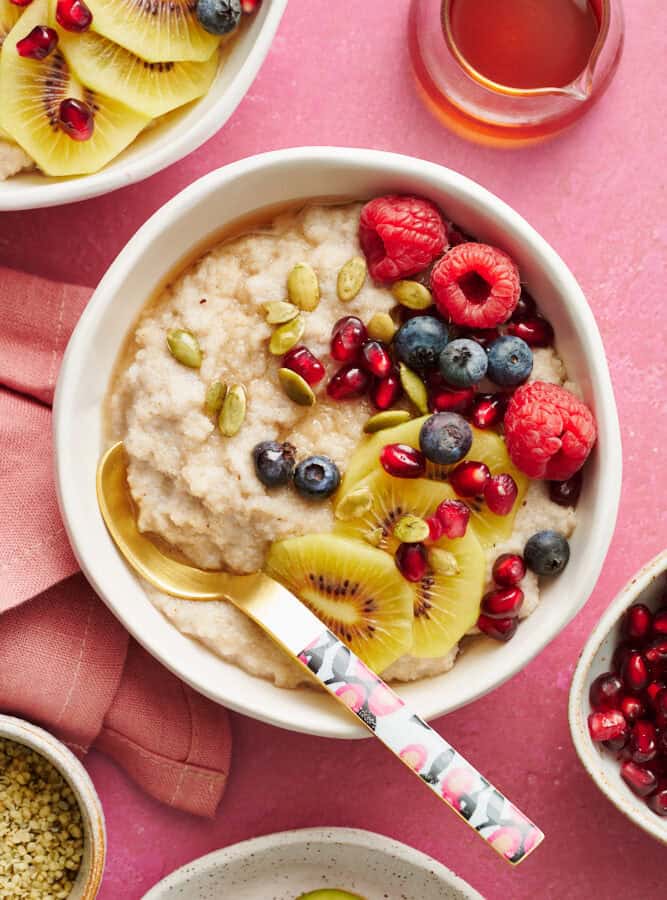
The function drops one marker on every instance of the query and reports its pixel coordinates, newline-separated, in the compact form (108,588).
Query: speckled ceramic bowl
(89,879)
(647,586)
(283,866)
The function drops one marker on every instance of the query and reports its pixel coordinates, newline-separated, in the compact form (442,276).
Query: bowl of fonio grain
(52,834)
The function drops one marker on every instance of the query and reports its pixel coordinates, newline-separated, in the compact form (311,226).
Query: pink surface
(338,74)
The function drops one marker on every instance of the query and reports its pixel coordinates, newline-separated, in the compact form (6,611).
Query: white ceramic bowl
(283,866)
(89,879)
(174,137)
(648,586)
(182,224)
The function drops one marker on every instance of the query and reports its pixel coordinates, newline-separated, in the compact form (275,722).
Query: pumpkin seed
(374,537)
(287,336)
(280,311)
(382,328)
(351,278)
(233,410)
(215,397)
(184,347)
(386,419)
(296,387)
(414,387)
(303,288)
(411,530)
(443,562)
(412,294)
(354,504)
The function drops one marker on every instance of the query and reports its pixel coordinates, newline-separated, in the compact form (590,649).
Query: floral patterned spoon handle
(416,744)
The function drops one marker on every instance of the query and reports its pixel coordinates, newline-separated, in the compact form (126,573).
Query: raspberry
(400,236)
(476,285)
(548,431)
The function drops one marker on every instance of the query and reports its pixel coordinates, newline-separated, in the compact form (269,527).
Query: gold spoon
(301,634)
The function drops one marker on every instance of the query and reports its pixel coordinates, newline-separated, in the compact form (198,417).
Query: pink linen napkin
(65,662)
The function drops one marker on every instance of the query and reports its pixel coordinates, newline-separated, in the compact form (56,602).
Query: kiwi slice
(487,447)
(149,88)
(9,16)
(155,30)
(356,590)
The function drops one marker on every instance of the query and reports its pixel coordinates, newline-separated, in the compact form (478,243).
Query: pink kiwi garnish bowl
(600,655)
(207,207)
(169,138)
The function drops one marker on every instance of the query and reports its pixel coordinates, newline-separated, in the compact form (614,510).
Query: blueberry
(317,477)
(547,553)
(445,438)
(420,342)
(510,361)
(219,16)
(274,462)
(463,363)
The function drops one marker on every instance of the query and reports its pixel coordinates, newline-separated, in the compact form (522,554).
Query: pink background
(338,73)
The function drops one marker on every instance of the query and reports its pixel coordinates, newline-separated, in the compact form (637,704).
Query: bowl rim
(393,166)
(174,145)
(355,837)
(21,731)
(585,749)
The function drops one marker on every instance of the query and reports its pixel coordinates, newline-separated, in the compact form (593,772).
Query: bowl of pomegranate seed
(618,700)
(408,422)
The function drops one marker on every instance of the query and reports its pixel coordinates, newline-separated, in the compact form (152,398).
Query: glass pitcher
(487,112)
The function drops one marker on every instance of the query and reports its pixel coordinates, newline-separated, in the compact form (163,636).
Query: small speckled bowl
(648,586)
(89,879)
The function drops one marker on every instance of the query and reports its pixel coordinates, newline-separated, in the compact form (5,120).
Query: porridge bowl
(167,243)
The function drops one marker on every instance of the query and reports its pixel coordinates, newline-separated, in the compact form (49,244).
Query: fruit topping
(305,364)
(274,463)
(502,602)
(606,692)
(385,392)
(659,626)
(510,361)
(316,477)
(607,725)
(476,285)
(658,802)
(637,622)
(38,44)
(501,630)
(402,461)
(420,341)
(453,516)
(641,781)
(412,561)
(500,493)
(73,15)
(549,432)
(469,479)
(443,399)
(633,708)
(566,493)
(547,553)
(488,410)
(525,308)
(351,279)
(400,236)
(348,382)
(508,570)
(375,357)
(219,16)
(536,332)
(435,529)
(76,119)
(412,295)
(250,6)
(445,438)
(463,363)
(643,741)
(347,338)
(635,672)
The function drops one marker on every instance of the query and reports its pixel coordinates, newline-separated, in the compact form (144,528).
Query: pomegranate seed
(375,357)
(446,400)
(621,653)
(641,781)
(38,43)
(526,307)
(498,629)
(536,332)
(656,654)
(635,672)
(348,382)
(508,570)
(249,6)
(412,561)
(469,478)
(305,364)
(454,517)
(607,725)
(483,336)
(76,119)
(605,692)
(637,622)
(435,528)
(386,392)
(566,493)
(402,461)
(660,703)
(660,623)
(652,691)
(632,708)
(73,15)
(658,802)
(347,338)
(500,493)
(488,410)
(643,741)
(502,602)
(662,746)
